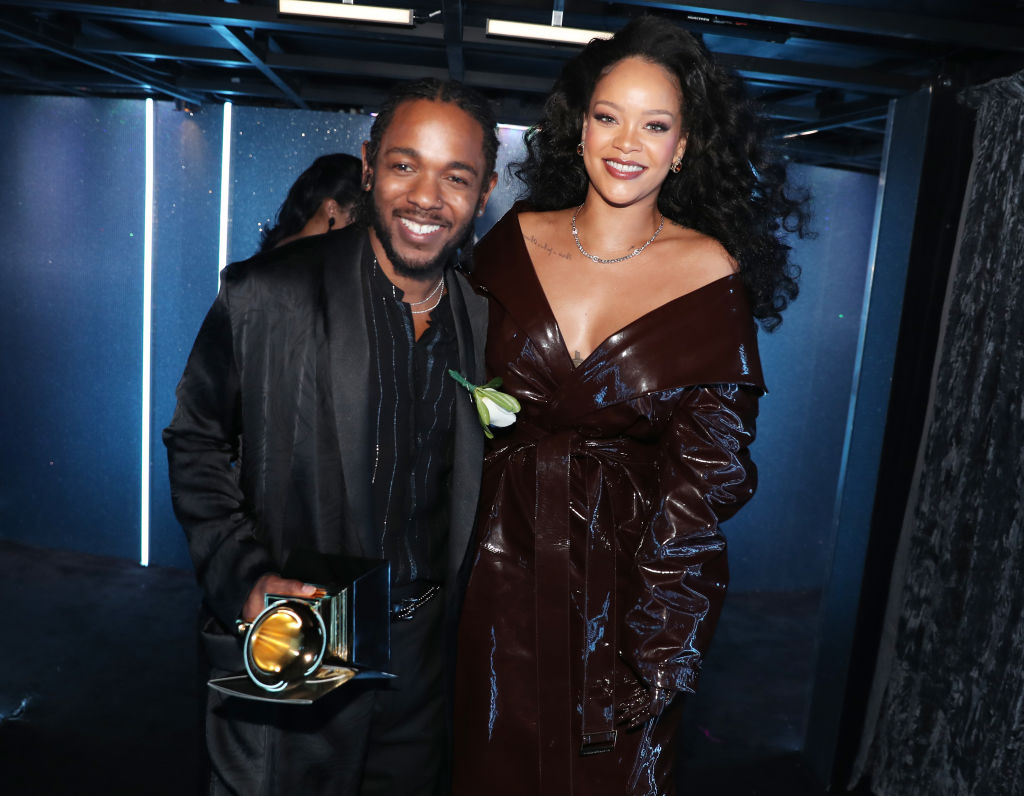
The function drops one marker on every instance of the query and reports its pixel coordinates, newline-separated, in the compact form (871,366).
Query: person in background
(623,294)
(321,199)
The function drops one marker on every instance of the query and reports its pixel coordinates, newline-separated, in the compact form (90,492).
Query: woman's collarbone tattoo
(565,255)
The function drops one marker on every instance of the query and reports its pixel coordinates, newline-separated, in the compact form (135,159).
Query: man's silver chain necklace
(439,287)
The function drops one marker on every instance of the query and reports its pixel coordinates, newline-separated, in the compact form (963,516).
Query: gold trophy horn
(284,645)
(299,649)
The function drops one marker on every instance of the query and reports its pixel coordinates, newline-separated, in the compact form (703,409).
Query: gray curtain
(946,715)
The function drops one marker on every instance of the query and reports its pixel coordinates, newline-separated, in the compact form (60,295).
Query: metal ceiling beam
(356,95)
(791,113)
(133,48)
(209,12)
(768,71)
(868,128)
(244,44)
(829,123)
(772,71)
(144,82)
(356,67)
(238,87)
(806,151)
(856,19)
(820,75)
(101,84)
(389,70)
(383,70)
(505,82)
(344,95)
(847,114)
(451,12)
(713,25)
(756,70)
(26,75)
(367,98)
(229,59)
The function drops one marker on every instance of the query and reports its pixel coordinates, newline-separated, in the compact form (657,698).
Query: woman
(622,302)
(320,200)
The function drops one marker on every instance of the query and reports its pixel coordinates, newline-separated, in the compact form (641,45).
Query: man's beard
(429,270)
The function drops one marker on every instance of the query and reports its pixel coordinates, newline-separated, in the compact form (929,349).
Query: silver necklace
(432,307)
(437,291)
(596,259)
(438,287)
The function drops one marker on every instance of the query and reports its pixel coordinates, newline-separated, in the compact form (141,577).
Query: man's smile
(420,228)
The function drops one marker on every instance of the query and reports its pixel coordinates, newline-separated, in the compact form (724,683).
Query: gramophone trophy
(300,648)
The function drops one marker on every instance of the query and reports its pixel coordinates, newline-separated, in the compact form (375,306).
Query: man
(329,357)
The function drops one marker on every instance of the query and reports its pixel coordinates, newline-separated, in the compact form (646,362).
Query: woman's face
(633,131)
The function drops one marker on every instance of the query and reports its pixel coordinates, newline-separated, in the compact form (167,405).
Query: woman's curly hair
(728,188)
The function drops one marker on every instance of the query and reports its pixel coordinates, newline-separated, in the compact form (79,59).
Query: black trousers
(367,738)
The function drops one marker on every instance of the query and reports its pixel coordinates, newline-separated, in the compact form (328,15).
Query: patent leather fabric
(600,567)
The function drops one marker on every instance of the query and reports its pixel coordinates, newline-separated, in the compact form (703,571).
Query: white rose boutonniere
(495,408)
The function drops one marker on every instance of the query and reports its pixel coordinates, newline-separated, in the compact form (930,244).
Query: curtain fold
(946,714)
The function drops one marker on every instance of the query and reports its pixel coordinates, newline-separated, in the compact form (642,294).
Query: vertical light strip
(225,183)
(862,331)
(147,339)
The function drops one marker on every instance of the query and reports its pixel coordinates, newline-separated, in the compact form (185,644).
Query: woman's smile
(623,170)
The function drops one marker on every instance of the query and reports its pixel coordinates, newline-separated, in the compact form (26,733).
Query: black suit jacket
(281,362)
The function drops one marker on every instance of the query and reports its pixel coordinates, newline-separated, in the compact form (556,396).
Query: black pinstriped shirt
(412,401)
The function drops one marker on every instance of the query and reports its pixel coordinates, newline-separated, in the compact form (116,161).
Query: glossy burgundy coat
(600,567)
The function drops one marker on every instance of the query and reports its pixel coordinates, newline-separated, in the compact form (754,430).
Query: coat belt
(553,619)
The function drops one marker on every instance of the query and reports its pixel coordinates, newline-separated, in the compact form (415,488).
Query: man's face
(429,182)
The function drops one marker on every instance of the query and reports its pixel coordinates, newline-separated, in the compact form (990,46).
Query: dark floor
(99,689)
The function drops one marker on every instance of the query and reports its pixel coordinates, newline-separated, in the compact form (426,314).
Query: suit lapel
(345,272)
(346,269)
(470,313)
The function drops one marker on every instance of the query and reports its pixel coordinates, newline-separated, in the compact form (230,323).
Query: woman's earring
(579,149)
(330,223)
(677,166)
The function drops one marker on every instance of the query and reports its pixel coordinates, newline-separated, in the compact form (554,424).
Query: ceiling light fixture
(553,32)
(801,133)
(347,10)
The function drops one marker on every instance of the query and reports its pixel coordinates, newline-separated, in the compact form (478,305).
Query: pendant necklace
(596,259)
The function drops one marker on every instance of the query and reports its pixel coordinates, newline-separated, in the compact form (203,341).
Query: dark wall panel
(781,540)
(71,224)
(906,138)
(187,155)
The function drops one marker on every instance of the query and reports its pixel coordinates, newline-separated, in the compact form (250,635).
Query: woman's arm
(681,571)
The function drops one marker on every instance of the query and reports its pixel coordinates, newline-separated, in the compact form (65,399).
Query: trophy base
(322,682)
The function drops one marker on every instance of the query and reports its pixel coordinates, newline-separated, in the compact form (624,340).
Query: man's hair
(429,88)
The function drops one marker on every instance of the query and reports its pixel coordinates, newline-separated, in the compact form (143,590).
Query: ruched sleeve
(681,570)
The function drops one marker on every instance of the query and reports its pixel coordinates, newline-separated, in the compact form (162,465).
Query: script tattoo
(547,247)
